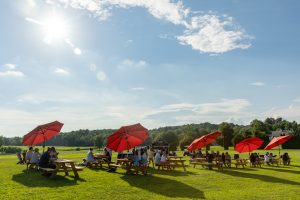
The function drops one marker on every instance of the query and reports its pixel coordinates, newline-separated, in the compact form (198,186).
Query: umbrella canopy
(42,133)
(276,141)
(204,140)
(248,145)
(127,137)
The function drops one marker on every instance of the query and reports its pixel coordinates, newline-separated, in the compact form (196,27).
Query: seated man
(35,156)
(286,159)
(45,160)
(28,155)
(90,158)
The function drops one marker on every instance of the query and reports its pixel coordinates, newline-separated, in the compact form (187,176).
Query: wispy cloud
(131,64)
(137,89)
(101,76)
(61,71)
(10,66)
(11,71)
(258,83)
(207,33)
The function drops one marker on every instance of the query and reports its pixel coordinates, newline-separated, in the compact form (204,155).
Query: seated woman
(53,154)
(108,155)
(157,158)
(286,159)
(164,158)
(90,158)
(35,158)
(20,159)
(28,155)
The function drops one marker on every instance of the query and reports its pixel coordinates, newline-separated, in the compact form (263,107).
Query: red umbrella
(276,141)
(248,145)
(42,133)
(204,140)
(127,137)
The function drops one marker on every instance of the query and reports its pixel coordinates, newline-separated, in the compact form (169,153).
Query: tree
(170,137)
(1,140)
(227,134)
(99,141)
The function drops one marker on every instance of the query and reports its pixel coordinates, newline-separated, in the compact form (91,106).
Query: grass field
(250,183)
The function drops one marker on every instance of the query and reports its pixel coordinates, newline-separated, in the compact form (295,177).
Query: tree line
(180,136)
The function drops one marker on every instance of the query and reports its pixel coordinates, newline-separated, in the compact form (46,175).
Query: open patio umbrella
(42,133)
(248,145)
(276,141)
(204,140)
(127,137)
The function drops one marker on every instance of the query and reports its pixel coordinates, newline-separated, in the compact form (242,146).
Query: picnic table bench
(99,160)
(127,164)
(63,165)
(240,162)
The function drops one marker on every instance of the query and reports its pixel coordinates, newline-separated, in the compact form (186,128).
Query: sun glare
(55,29)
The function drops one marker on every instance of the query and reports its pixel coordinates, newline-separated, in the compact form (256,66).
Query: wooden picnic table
(63,165)
(177,163)
(175,157)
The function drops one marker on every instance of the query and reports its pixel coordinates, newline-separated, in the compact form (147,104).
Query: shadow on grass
(265,178)
(164,186)
(35,179)
(285,170)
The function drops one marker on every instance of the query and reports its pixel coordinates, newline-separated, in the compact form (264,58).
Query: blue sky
(102,64)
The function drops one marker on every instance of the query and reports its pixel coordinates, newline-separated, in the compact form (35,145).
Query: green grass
(250,183)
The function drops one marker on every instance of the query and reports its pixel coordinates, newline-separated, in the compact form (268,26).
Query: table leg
(65,168)
(74,170)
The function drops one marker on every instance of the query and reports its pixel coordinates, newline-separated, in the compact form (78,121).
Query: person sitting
(144,161)
(186,152)
(267,158)
(252,159)
(35,156)
(45,161)
(90,158)
(227,159)
(53,154)
(209,158)
(20,159)
(199,154)
(28,155)
(286,159)
(108,155)
(164,158)
(157,158)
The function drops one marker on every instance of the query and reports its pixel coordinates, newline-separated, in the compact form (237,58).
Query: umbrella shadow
(163,186)
(37,180)
(171,172)
(264,178)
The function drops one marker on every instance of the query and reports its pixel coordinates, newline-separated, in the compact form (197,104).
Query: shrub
(10,149)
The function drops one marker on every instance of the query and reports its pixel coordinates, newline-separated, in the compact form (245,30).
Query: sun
(55,29)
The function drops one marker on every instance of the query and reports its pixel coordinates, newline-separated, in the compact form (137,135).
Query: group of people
(91,158)
(33,156)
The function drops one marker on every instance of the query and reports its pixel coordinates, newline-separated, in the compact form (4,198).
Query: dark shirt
(45,159)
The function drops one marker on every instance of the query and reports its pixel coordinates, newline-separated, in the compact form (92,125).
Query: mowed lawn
(272,182)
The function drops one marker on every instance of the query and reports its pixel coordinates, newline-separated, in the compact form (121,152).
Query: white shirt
(163,158)
(35,157)
(28,155)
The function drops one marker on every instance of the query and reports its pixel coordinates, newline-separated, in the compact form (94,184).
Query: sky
(94,64)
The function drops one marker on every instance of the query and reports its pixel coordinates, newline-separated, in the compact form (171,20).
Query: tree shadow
(265,178)
(37,180)
(163,186)
(285,170)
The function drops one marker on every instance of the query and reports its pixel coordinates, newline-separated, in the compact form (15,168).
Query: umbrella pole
(279,150)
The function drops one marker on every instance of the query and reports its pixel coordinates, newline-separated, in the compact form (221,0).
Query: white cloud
(137,89)
(101,76)
(93,67)
(224,106)
(11,73)
(131,64)
(258,83)
(207,33)
(61,71)
(211,34)
(10,66)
